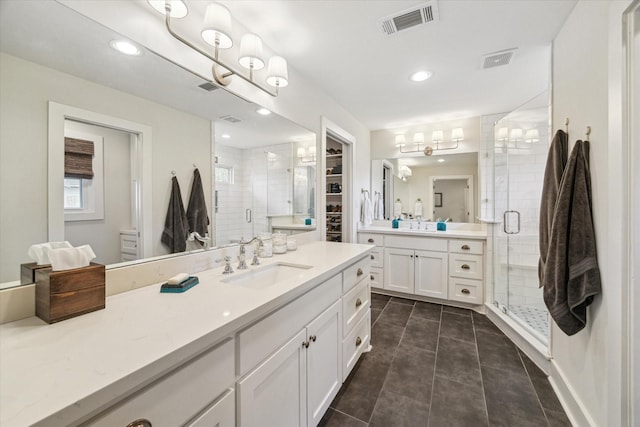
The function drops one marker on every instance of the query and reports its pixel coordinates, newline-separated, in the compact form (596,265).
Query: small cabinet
(296,384)
(416,272)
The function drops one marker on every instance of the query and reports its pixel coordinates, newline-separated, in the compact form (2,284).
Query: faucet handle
(227,266)
(255,260)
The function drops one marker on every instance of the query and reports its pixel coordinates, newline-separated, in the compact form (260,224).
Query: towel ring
(566,125)
(195,166)
(173,173)
(588,132)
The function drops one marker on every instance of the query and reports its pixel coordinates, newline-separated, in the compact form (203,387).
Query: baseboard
(477,308)
(575,409)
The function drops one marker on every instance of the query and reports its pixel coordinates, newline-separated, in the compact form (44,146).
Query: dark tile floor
(439,366)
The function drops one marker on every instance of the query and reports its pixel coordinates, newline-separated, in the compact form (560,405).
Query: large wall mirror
(439,186)
(153,120)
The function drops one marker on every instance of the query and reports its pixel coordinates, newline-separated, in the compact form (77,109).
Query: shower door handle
(247,215)
(504,222)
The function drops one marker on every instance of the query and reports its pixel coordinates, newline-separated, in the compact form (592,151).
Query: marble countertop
(63,371)
(466,232)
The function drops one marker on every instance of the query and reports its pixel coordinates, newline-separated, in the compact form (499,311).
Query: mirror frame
(58,113)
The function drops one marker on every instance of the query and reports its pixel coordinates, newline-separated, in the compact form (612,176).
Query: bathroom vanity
(270,345)
(443,265)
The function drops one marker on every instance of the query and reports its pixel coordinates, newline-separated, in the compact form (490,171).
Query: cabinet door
(324,367)
(398,270)
(431,274)
(275,393)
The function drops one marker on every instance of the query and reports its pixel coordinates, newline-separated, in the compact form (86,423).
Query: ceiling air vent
(208,86)
(417,15)
(230,119)
(496,59)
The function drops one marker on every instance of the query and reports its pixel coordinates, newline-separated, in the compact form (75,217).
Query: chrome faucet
(242,265)
(196,236)
(227,265)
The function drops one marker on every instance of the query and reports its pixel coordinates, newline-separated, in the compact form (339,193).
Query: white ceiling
(339,45)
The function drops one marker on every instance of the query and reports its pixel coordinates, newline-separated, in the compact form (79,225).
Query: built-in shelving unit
(334,197)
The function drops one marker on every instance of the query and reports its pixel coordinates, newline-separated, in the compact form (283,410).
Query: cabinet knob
(465,291)
(465,247)
(358,341)
(358,303)
(305,344)
(372,277)
(372,257)
(370,240)
(465,266)
(360,272)
(140,423)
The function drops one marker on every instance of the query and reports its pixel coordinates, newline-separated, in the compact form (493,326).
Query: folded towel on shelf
(197,208)
(176,225)
(39,253)
(69,258)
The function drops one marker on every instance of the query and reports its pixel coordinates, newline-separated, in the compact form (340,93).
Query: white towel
(366,211)
(39,253)
(69,258)
(417,210)
(397,209)
(379,207)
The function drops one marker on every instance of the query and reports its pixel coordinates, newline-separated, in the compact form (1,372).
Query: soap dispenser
(395,223)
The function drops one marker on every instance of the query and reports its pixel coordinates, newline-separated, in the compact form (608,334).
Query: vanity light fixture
(216,31)
(126,47)
(263,111)
(531,136)
(307,156)
(515,135)
(437,136)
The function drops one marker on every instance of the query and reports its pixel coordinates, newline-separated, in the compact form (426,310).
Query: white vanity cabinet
(377,257)
(466,271)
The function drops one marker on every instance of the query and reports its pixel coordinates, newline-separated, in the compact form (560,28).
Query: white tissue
(69,258)
(39,253)
(178,278)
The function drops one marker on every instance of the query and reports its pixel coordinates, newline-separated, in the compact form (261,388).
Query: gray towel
(176,227)
(197,209)
(556,162)
(571,275)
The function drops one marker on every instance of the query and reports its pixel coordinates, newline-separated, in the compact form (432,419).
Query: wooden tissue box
(64,294)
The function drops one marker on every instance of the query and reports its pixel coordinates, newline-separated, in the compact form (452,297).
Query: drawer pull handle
(370,240)
(360,272)
(358,341)
(465,291)
(372,257)
(313,338)
(358,303)
(140,423)
(465,266)
(373,278)
(305,344)
(465,247)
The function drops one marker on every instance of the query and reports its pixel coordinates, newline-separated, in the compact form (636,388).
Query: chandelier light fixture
(437,136)
(216,31)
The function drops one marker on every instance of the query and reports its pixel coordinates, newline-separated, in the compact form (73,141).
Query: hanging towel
(176,225)
(571,275)
(366,210)
(397,208)
(380,207)
(556,162)
(197,209)
(417,209)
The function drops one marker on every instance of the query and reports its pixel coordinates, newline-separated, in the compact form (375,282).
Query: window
(73,193)
(83,194)
(224,174)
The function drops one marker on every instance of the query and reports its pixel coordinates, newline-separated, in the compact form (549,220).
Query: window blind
(78,158)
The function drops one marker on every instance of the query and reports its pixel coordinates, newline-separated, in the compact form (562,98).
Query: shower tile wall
(232,197)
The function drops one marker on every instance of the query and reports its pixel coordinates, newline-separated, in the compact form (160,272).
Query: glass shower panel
(521,145)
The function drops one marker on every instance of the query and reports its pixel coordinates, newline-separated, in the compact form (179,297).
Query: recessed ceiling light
(440,160)
(126,47)
(225,136)
(263,111)
(420,76)
(178,8)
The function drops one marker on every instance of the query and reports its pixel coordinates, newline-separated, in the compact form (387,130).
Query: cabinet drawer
(465,290)
(221,414)
(371,239)
(263,338)
(175,398)
(377,277)
(420,243)
(376,258)
(467,266)
(354,305)
(466,246)
(355,343)
(355,273)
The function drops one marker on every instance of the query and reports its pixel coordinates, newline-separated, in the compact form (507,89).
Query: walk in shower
(520,146)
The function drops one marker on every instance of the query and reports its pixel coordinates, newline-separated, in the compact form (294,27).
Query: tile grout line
(484,394)
(544,412)
(350,416)
(435,363)
(391,363)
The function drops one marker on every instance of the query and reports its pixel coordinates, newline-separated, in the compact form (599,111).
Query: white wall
(104,234)
(586,88)
(25,89)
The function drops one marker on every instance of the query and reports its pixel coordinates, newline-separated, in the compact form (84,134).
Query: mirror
(67,58)
(444,189)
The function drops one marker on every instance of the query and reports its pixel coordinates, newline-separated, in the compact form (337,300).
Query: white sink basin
(266,276)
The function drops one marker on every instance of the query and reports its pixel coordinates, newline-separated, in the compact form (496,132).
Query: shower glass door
(520,154)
